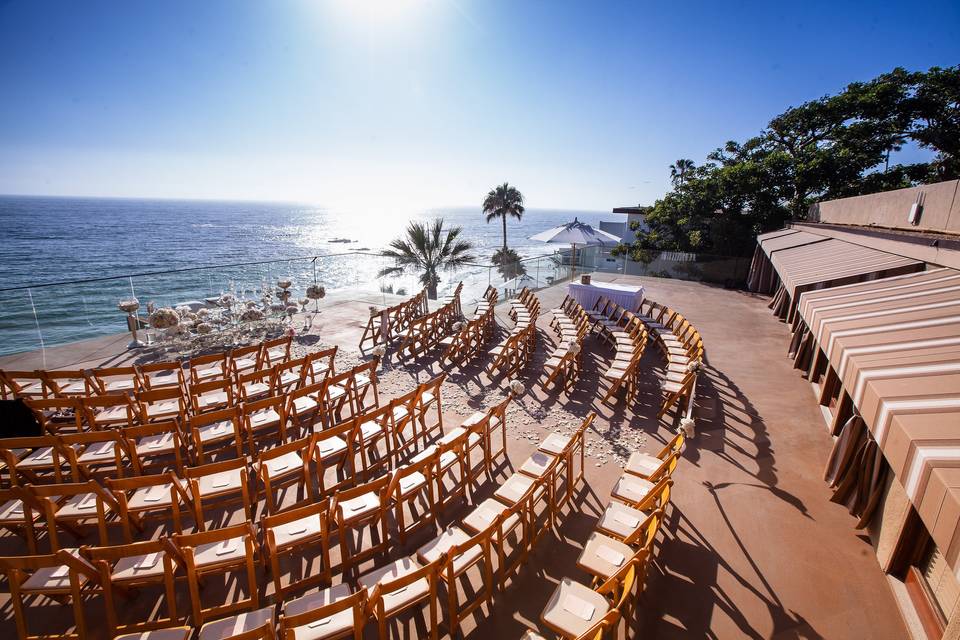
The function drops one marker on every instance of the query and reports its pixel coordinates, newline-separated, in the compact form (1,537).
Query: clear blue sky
(419,102)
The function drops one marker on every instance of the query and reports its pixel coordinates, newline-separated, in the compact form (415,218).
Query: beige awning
(895,346)
(788,241)
(761,277)
(833,263)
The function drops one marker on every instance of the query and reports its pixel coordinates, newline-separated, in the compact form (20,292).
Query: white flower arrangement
(251,315)
(457,327)
(164,318)
(517,388)
(284,283)
(573,347)
(128,306)
(304,302)
(183,310)
(204,328)
(374,312)
(177,331)
(203,314)
(689,427)
(227,300)
(379,351)
(316,291)
(694,365)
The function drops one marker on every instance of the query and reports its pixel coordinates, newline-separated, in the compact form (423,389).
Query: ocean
(50,239)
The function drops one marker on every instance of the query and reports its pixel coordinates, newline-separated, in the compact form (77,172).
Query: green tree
(679,171)
(427,250)
(831,147)
(502,202)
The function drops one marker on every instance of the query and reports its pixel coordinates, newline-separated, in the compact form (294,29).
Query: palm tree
(679,171)
(501,202)
(426,250)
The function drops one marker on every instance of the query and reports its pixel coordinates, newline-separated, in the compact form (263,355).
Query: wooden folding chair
(218,431)
(541,489)
(410,484)
(215,366)
(515,522)
(357,508)
(33,459)
(275,351)
(566,450)
(399,587)
(74,505)
(374,330)
(427,398)
(252,625)
(637,492)
(331,613)
(253,384)
(576,611)
(62,576)
(20,513)
(244,359)
(403,426)
(23,384)
(63,383)
(618,378)
(109,411)
(167,633)
(290,375)
(161,375)
(220,551)
(334,448)
(127,568)
(162,496)
(265,418)
(211,395)
(364,380)
(476,439)
(154,445)
(96,455)
(678,394)
(456,552)
(453,469)
(220,484)
(496,419)
(285,465)
(322,365)
(113,380)
(372,442)
(292,532)
(306,406)
(165,403)
(644,465)
(57,414)
(336,396)
(621,521)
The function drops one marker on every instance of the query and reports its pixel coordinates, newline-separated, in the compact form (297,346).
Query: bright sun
(379,11)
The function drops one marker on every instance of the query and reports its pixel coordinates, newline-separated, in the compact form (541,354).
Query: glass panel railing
(220,297)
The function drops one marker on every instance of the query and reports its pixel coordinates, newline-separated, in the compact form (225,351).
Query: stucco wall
(941,208)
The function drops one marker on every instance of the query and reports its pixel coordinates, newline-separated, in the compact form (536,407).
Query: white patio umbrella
(574,233)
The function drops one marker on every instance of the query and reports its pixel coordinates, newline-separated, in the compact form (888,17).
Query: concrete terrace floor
(751,547)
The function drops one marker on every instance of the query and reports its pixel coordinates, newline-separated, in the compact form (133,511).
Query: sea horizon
(53,240)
